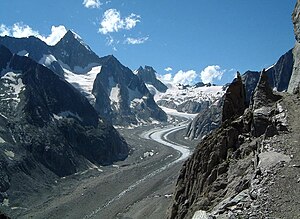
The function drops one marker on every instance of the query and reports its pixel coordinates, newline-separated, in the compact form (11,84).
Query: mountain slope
(130,100)
(74,61)
(148,75)
(47,127)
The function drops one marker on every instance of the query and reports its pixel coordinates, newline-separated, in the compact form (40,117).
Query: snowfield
(83,82)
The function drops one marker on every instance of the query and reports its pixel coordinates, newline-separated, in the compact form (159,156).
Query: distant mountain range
(116,93)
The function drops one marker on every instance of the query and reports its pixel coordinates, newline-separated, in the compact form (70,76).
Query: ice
(66,114)
(90,67)
(178,95)
(174,112)
(46,60)
(85,82)
(114,94)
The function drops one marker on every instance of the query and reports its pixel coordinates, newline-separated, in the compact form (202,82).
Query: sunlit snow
(15,85)
(83,82)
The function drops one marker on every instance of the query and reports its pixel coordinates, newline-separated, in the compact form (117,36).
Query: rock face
(278,75)
(206,121)
(218,176)
(74,61)
(148,75)
(231,104)
(47,126)
(130,100)
(295,79)
(234,100)
(71,50)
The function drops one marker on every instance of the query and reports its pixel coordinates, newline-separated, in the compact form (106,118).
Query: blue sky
(208,38)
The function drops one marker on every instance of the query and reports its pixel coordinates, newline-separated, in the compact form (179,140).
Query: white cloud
(56,34)
(168,69)
(20,30)
(134,41)
(181,77)
(166,78)
(112,21)
(92,3)
(210,73)
(4,30)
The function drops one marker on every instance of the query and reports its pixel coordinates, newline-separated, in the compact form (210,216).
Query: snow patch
(90,67)
(270,67)
(46,60)
(15,85)
(10,154)
(23,53)
(114,94)
(66,114)
(2,140)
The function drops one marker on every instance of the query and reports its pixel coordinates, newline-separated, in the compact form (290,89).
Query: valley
(138,186)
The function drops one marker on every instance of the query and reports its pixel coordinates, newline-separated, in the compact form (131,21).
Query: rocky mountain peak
(148,75)
(72,51)
(235,98)
(263,94)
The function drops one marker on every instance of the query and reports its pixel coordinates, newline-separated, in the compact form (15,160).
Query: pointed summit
(148,75)
(72,51)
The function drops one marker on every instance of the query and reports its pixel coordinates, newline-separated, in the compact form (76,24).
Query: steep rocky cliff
(122,97)
(219,177)
(148,75)
(295,79)
(47,128)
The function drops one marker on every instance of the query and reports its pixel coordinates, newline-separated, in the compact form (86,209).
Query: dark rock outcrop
(148,75)
(47,126)
(234,100)
(263,100)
